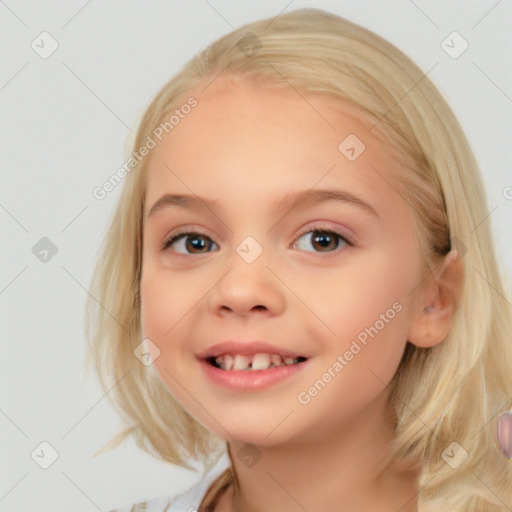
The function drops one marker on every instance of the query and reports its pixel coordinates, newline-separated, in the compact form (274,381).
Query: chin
(248,433)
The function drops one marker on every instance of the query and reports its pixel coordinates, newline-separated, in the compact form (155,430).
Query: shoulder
(185,501)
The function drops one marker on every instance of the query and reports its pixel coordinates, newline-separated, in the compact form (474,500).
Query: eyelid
(189,229)
(324,226)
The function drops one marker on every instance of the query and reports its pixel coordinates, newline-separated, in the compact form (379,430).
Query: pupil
(196,243)
(323,239)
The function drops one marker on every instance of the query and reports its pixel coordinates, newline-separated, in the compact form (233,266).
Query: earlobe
(432,319)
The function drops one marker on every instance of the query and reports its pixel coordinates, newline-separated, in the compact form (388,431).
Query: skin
(248,146)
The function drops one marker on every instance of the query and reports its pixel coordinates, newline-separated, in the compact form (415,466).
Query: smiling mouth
(256,362)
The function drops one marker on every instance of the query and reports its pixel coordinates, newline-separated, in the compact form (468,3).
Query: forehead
(279,105)
(246,137)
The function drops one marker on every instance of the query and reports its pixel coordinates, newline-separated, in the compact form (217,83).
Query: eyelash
(170,240)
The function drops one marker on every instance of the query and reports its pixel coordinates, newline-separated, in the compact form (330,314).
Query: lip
(250,380)
(246,349)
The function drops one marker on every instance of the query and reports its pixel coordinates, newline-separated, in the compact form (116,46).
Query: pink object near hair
(505,433)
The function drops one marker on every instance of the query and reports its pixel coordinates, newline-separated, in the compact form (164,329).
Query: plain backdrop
(63,124)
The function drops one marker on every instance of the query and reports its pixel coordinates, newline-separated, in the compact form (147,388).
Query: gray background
(63,125)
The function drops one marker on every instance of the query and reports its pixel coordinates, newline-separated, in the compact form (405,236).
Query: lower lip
(250,380)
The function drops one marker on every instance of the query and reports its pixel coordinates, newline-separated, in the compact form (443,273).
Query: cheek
(169,302)
(164,304)
(156,316)
(367,309)
(166,299)
(361,359)
(355,297)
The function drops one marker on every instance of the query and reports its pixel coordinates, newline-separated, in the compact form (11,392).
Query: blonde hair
(449,393)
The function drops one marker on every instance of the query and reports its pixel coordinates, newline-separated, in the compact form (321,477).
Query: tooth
(241,363)
(228,362)
(276,360)
(260,362)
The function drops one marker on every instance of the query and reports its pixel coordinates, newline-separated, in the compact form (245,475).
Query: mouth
(251,363)
(251,372)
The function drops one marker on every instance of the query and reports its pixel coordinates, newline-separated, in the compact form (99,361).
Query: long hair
(449,393)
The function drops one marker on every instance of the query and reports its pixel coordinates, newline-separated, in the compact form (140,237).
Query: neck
(346,470)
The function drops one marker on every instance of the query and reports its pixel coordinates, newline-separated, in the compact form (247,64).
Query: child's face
(247,148)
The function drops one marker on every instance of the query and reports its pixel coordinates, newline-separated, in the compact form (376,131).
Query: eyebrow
(302,198)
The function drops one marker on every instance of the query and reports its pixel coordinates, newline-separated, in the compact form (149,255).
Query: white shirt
(187,501)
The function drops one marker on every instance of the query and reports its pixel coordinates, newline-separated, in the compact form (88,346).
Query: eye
(188,241)
(324,240)
(193,242)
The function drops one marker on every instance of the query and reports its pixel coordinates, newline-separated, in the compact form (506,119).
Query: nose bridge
(248,283)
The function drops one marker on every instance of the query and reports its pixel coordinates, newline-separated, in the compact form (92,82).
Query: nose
(247,289)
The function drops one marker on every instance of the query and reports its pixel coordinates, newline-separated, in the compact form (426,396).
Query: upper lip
(247,349)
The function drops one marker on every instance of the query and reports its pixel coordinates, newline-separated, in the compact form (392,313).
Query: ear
(437,302)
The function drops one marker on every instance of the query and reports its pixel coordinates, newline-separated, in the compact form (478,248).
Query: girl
(297,288)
